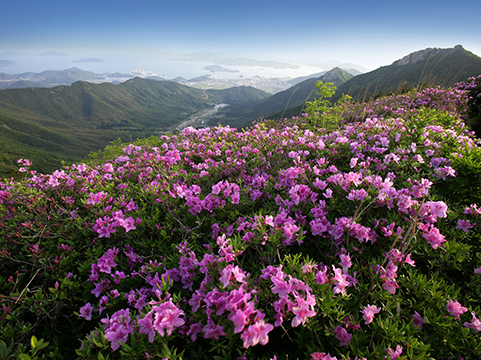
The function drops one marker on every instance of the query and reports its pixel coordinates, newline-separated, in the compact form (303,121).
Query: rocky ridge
(422,55)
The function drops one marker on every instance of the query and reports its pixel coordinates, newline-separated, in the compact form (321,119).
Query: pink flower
(280,287)
(472,210)
(106,262)
(194,330)
(212,330)
(390,285)
(353,162)
(345,262)
(432,235)
(475,324)
(239,319)
(455,308)
(394,354)
(322,356)
(127,224)
(231,271)
(167,317)
(340,281)
(368,313)
(146,326)
(303,309)
(118,328)
(321,276)
(256,333)
(438,207)
(327,194)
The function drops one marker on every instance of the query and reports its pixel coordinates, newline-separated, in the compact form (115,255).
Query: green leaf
(33,342)
(41,345)
(4,351)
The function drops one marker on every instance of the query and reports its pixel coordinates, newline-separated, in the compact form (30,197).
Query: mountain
(48,125)
(48,78)
(242,115)
(428,67)
(299,79)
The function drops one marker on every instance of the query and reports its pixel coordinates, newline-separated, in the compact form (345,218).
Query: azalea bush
(473,88)
(286,240)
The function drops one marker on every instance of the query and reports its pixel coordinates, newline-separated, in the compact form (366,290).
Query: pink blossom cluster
(239,207)
(389,273)
(293,296)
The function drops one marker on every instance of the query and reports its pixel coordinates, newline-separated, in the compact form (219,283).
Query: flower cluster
(236,240)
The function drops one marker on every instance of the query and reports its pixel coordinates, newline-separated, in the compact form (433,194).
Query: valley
(199,119)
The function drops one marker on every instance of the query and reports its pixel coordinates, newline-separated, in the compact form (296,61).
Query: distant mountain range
(52,78)
(49,78)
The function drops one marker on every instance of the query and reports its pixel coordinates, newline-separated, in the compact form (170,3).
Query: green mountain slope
(427,67)
(243,114)
(47,125)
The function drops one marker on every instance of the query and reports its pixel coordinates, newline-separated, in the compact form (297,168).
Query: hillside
(355,240)
(68,122)
(297,95)
(428,67)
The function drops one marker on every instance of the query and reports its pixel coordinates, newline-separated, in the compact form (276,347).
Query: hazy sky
(154,35)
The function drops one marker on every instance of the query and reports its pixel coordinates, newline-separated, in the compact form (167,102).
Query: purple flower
(418,320)
(465,225)
(86,311)
(118,328)
(342,335)
(106,262)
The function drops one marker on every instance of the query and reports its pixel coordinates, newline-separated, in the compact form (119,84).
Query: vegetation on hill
(437,67)
(68,122)
(243,115)
(347,233)
(421,69)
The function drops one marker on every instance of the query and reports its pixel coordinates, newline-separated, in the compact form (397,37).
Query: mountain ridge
(428,67)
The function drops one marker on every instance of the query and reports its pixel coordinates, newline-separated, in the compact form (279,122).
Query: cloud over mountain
(89,60)
(221,59)
(6,63)
(53,54)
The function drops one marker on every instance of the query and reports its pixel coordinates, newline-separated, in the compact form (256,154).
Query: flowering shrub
(287,240)
(473,88)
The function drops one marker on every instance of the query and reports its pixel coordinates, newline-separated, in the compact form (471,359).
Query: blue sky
(156,35)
